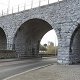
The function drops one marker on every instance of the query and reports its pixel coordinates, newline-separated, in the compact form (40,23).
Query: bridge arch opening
(75,46)
(3,40)
(28,36)
(49,44)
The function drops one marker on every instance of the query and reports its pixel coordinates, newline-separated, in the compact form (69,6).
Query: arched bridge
(23,31)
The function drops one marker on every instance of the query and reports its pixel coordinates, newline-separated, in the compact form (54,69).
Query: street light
(24,4)
(31,3)
(48,1)
(39,3)
(8,5)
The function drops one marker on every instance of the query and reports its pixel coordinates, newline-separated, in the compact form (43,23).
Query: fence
(26,6)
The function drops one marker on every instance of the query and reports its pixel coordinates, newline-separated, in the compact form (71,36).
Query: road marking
(27,71)
(14,68)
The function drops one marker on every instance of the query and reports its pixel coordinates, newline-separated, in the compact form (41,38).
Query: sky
(9,4)
(50,36)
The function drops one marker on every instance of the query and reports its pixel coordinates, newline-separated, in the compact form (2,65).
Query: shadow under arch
(74,50)
(3,40)
(27,38)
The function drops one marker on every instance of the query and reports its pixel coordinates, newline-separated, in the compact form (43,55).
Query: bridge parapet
(26,6)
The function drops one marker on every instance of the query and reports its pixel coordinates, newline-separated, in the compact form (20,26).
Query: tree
(42,48)
(45,45)
(50,48)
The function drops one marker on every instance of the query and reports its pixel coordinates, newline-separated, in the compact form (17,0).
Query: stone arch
(28,36)
(3,40)
(48,20)
(54,26)
(74,49)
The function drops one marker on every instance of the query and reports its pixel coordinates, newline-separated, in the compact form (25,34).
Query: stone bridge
(23,31)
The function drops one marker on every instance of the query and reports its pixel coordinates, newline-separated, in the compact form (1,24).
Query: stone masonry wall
(63,17)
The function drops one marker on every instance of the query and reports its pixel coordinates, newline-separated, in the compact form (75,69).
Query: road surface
(8,69)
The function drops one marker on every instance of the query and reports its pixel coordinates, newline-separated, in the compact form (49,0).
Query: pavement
(11,67)
(8,60)
(51,72)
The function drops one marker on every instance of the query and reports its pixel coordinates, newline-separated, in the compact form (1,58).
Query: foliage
(42,48)
(49,48)
(45,45)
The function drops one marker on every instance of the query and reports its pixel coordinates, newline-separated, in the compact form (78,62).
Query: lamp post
(48,1)
(24,4)
(8,5)
(31,3)
(39,3)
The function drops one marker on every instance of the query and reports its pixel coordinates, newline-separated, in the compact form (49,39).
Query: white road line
(27,71)
(18,67)
(14,68)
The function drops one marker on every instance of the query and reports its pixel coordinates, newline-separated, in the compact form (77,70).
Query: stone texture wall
(63,17)
(75,46)
(3,42)
(6,54)
(28,36)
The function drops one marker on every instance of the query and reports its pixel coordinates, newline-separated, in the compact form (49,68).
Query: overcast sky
(4,4)
(50,36)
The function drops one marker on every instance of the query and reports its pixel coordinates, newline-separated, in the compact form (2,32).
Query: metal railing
(26,6)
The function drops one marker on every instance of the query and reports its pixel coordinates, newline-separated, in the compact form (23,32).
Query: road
(11,68)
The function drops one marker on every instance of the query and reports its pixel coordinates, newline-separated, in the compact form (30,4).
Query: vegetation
(49,48)
(42,48)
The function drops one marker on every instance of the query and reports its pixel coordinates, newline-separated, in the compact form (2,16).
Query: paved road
(8,69)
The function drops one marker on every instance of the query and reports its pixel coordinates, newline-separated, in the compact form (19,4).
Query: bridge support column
(63,52)
(64,44)
(9,43)
(63,55)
